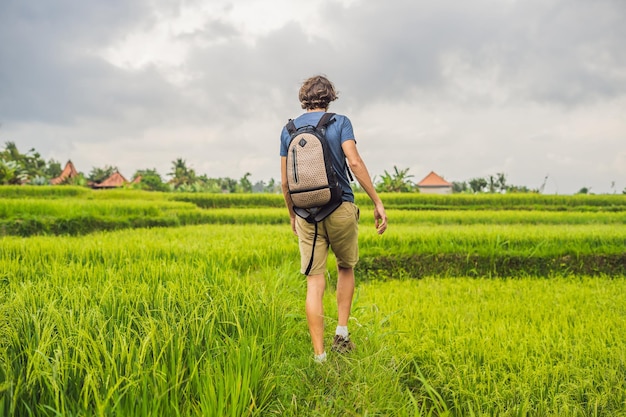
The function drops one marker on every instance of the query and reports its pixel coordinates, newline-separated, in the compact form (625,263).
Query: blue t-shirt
(336,134)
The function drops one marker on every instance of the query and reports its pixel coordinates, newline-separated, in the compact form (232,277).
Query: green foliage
(214,200)
(244,184)
(540,347)
(53,169)
(30,168)
(98,175)
(18,168)
(185,180)
(142,328)
(437,235)
(26,192)
(491,184)
(150,180)
(515,201)
(78,180)
(9,171)
(181,175)
(272,187)
(208,320)
(79,217)
(406,201)
(477,185)
(397,182)
(459,187)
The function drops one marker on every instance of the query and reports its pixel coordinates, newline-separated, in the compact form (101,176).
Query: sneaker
(342,344)
(320,358)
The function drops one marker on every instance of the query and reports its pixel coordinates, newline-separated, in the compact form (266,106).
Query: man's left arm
(286,195)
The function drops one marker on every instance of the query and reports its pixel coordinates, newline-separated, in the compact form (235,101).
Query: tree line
(399,180)
(31,168)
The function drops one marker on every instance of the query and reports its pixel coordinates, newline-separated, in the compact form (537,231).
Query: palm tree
(501,181)
(477,184)
(397,182)
(245,184)
(492,184)
(11,152)
(181,175)
(459,187)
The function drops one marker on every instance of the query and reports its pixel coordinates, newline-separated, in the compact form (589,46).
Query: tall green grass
(418,243)
(509,347)
(32,216)
(512,239)
(507,250)
(137,324)
(403,201)
(29,191)
(74,207)
(209,320)
(77,216)
(415,201)
(27,211)
(411,201)
(264,215)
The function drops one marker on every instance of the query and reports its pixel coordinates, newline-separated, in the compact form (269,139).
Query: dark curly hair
(316,93)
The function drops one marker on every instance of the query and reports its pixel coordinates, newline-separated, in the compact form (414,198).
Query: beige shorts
(339,231)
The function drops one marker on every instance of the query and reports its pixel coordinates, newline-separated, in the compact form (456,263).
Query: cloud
(51,73)
(462,88)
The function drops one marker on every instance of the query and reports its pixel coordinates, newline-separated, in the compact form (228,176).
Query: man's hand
(293,225)
(381,218)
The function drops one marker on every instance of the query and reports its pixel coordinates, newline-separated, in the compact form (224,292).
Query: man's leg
(315,310)
(345,292)
(342,227)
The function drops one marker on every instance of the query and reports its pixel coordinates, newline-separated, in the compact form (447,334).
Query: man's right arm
(358,168)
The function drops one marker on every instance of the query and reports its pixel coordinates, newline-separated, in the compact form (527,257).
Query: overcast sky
(529,88)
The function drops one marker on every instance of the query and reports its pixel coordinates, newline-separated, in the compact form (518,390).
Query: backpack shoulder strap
(291,128)
(325,121)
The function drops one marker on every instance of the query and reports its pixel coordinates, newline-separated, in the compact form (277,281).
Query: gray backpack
(312,180)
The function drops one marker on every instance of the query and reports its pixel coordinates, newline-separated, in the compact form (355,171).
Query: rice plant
(209,319)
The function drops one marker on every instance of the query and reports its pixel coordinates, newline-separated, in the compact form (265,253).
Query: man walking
(339,230)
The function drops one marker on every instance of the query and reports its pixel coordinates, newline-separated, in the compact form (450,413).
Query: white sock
(342,331)
(320,358)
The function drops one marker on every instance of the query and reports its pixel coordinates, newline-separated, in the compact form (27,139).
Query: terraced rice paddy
(163,304)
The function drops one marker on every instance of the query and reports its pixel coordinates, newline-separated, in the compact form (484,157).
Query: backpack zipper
(295,165)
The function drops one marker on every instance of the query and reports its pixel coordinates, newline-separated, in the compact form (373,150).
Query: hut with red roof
(68,172)
(115,180)
(434,184)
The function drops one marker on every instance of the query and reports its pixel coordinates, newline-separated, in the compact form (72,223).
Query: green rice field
(127,303)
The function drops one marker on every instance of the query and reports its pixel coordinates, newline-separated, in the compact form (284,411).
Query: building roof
(115,180)
(433,180)
(68,172)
